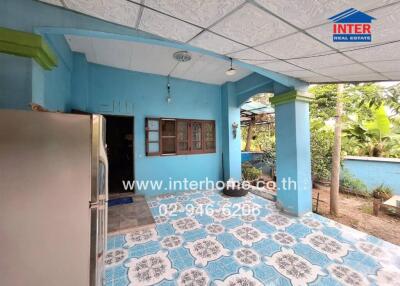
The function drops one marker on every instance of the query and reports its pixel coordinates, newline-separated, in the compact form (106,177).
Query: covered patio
(219,245)
(121,58)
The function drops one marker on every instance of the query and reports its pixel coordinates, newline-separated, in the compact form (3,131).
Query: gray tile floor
(124,218)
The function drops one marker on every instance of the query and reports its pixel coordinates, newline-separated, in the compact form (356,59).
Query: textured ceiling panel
(167,27)
(385,28)
(53,2)
(250,56)
(317,78)
(234,25)
(252,26)
(200,12)
(322,61)
(279,66)
(392,75)
(344,70)
(378,53)
(117,11)
(307,13)
(363,77)
(385,66)
(153,59)
(324,33)
(301,73)
(215,43)
(301,45)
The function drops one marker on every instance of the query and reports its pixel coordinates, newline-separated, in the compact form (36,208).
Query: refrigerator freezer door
(45,183)
(99,201)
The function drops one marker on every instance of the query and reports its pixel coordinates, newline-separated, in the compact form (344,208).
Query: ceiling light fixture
(182,56)
(231,71)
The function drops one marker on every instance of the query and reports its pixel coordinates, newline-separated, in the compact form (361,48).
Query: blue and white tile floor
(225,245)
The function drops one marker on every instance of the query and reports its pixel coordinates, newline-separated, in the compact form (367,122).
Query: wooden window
(209,136)
(197,136)
(168,136)
(182,140)
(179,136)
(152,137)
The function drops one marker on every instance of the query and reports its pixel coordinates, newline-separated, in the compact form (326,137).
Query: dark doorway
(119,139)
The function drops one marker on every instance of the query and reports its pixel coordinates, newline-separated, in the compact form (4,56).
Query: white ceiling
(286,36)
(153,59)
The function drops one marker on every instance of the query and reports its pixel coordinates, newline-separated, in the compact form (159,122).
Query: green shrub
(349,183)
(321,151)
(250,173)
(269,155)
(382,192)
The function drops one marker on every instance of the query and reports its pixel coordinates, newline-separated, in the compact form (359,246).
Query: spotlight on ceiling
(231,71)
(182,56)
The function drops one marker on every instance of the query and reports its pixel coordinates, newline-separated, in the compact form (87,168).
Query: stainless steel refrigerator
(53,199)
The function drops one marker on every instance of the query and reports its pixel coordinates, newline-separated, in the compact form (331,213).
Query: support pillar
(293,156)
(230,144)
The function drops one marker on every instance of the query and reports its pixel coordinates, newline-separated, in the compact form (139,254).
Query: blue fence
(251,156)
(375,171)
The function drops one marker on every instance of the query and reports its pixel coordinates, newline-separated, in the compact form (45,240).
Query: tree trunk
(334,210)
(249,135)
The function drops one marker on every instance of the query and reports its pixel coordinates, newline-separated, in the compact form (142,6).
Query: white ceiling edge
(153,59)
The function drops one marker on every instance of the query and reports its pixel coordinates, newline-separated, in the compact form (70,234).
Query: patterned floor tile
(264,247)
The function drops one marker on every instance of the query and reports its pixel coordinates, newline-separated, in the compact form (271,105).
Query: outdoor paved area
(267,248)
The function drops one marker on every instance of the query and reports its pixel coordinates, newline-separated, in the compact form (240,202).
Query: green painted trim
(289,97)
(27,45)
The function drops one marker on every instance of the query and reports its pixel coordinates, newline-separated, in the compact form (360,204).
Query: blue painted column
(230,146)
(293,156)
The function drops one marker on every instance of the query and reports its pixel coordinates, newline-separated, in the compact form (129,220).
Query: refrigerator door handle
(97,205)
(93,205)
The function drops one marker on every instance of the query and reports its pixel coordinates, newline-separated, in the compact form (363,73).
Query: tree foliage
(371,119)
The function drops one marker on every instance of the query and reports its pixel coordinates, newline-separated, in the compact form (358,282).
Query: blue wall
(375,171)
(21,79)
(80,80)
(77,84)
(120,92)
(293,160)
(52,89)
(231,146)
(15,82)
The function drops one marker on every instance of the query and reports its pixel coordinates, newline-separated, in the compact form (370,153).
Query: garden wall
(375,171)
(251,156)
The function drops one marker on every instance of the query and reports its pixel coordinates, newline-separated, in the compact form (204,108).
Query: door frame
(133,141)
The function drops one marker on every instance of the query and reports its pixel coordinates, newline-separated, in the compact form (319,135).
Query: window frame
(147,141)
(190,150)
(197,151)
(189,143)
(161,144)
(211,150)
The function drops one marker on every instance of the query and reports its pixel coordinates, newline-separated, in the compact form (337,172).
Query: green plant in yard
(348,183)
(382,192)
(371,137)
(269,155)
(250,173)
(321,151)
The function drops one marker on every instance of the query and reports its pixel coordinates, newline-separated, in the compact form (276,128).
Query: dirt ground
(356,212)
